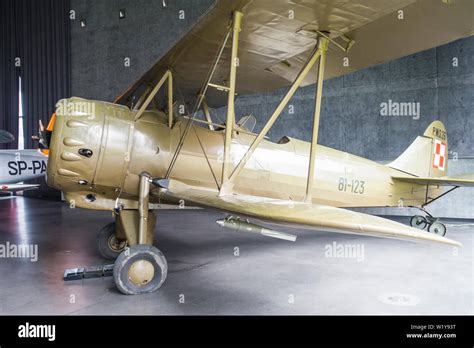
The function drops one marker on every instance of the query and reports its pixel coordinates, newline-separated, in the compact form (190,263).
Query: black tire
(437,228)
(108,245)
(419,222)
(142,255)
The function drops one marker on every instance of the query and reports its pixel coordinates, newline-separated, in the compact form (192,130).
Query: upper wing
(17,187)
(278,35)
(298,214)
(457,180)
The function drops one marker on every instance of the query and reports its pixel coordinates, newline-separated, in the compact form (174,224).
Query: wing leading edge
(298,214)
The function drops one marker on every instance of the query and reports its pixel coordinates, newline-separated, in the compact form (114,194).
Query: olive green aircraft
(159,143)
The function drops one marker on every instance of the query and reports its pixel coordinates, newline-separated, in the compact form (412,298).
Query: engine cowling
(98,150)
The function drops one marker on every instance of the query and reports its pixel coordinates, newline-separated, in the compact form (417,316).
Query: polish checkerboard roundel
(439,155)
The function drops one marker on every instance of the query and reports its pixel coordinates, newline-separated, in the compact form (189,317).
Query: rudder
(427,156)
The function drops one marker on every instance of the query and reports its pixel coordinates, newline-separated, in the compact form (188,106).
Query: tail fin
(427,156)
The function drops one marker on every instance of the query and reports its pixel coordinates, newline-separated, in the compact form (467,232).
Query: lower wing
(17,187)
(310,216)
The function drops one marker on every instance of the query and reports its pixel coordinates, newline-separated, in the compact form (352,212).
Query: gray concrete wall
(350,118)
(144,35)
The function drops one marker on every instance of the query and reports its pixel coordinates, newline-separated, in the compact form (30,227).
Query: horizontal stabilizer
(459,180)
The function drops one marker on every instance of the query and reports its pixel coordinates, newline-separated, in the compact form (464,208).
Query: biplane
(158,142)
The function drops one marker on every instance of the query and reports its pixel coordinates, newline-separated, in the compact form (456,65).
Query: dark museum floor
(269,276)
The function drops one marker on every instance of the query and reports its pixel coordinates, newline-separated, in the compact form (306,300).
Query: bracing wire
(200,142)
(199,100)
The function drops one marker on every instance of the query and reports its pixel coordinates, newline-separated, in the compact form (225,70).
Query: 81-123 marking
(352,185)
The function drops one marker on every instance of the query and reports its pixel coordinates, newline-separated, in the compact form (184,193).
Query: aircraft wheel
(140,269)
(419,222)
(437,228)
(108,244)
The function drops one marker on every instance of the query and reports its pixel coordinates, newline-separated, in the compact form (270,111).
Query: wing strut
(230,120)
(207,114)
(315,55)
(323,46)
(166,76)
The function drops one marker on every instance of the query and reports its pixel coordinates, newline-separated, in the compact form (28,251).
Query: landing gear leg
(140,268)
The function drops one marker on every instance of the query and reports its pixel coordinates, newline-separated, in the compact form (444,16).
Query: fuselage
(21,165)
(279,170)
(122,148)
